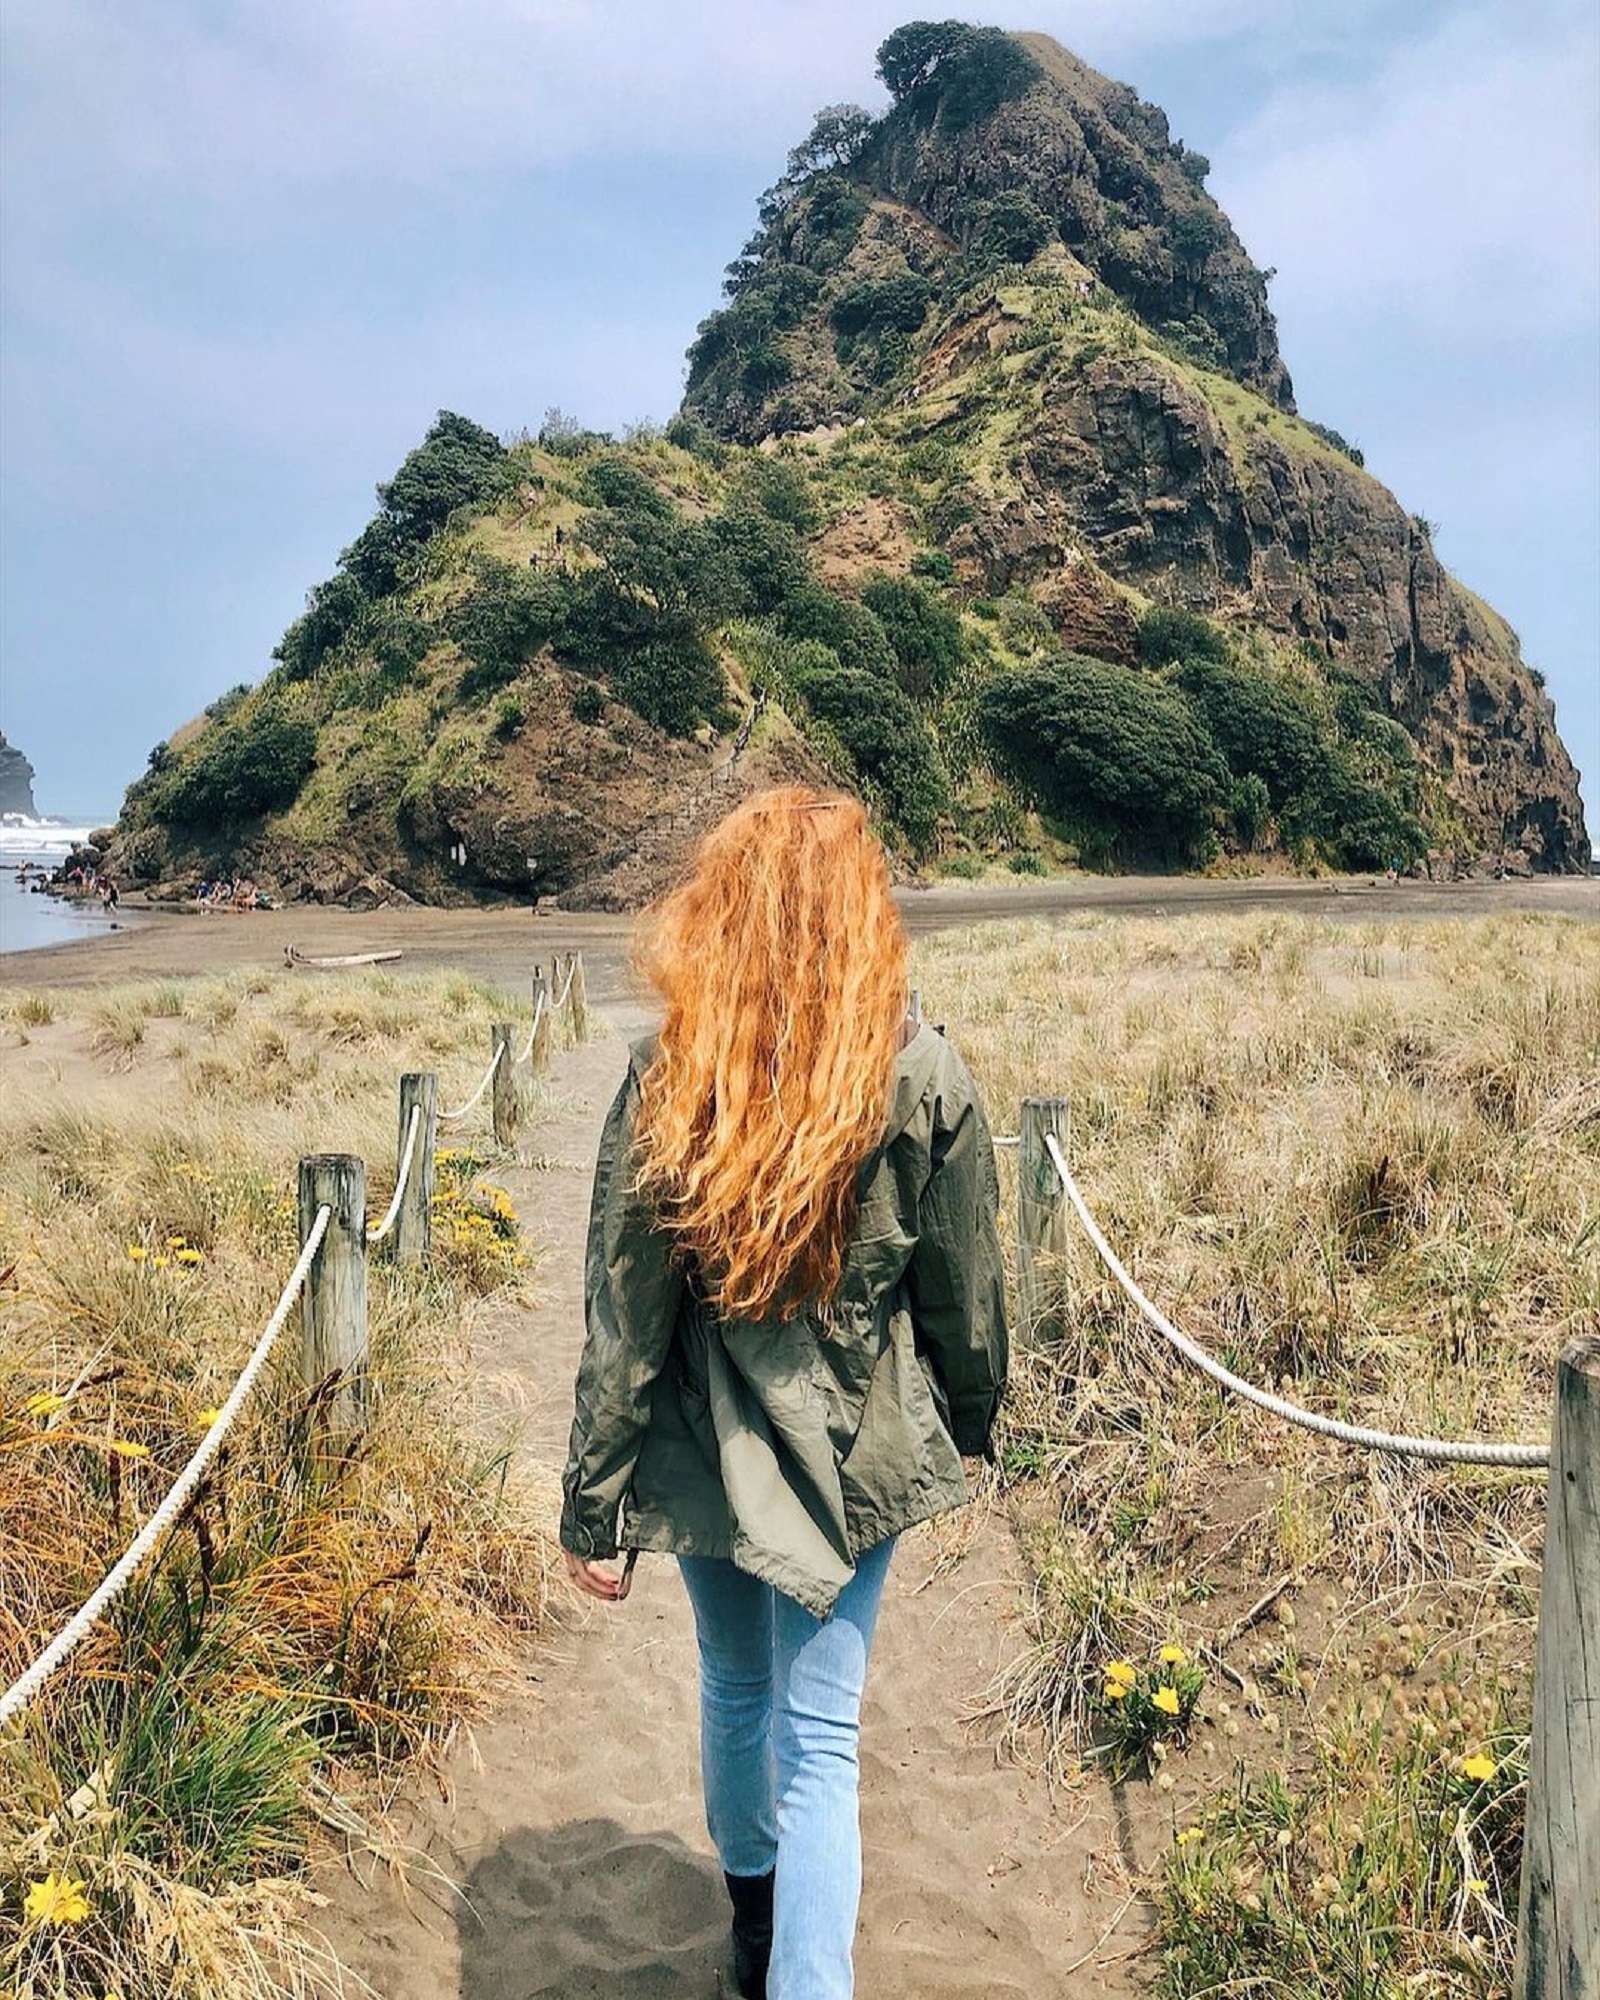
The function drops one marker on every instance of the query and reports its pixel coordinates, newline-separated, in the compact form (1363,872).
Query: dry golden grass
(1361,1164)
(325,1609)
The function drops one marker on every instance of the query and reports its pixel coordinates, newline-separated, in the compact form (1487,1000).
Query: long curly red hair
(781,963)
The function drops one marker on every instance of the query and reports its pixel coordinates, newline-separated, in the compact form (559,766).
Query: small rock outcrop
(16,781)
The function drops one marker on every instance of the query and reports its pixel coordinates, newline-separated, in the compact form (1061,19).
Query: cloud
(1450,188)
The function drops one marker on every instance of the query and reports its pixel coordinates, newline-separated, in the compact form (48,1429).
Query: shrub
(834,212)
(1193,166)
(933,565)
(1271,728)
(397,641)
(924,634)
(989,70)
(509,715)
(455,464)
(849,630)
(837,135)
(961,73)
(769,558)
(588,702)
(251,766)
(332,611)
(779,489)
(882,305)
(673,681)
(1009,229)
(1167,633)
(225,704)
(612,481)
(1026,861)
(1023,626)
(502,623)
(1104,743)
(883,736)
(690,435)
(1340,443)
(1250,808)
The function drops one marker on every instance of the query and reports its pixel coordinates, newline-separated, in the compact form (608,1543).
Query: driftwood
(293,955)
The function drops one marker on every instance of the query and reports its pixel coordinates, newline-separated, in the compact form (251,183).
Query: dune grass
(1361,1164)
(327,1608)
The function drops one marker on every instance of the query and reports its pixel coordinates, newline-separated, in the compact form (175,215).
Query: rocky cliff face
(1047,288)
(16,781)
(989,498)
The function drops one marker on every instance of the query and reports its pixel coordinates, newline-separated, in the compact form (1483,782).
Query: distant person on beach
(796,1330)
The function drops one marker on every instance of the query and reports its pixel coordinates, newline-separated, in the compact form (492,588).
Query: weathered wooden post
(413,1222)
(1041,1217)
(539,1055)
(914,1005)
(579,1002)
(333,1305)
(1558,1938)
(503,1090)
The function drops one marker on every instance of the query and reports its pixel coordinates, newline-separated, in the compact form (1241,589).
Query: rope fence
(402,1178)
(25,1689)
(329,1279)
(1558,1930)
(1443,1450)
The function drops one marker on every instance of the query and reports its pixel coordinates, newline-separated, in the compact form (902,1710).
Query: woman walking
(796,1330)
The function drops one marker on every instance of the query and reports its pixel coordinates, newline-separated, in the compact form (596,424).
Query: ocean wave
(21,835)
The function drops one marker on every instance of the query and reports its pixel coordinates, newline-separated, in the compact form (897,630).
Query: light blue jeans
(780,1714)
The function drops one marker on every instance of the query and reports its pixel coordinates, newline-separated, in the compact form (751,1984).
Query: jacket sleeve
(956,1276)
(632,1286)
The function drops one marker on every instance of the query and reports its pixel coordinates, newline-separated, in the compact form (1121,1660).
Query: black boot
(752,1932)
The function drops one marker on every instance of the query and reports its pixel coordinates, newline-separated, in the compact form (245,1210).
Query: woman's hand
(595,1580)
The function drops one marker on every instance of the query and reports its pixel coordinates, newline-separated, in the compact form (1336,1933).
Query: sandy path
(572,1857)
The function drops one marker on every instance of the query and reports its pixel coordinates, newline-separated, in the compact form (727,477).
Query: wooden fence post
(333,1305)
(1558,1937)
(914,1005)
(413,1224)
(539,1055)
(503,1090)
(1041,1218)
(580,1000)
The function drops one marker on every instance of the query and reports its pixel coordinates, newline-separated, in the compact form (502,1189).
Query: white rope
(23,1691)
(540,1007)
(461,1110)
(1408,1447)
(391,1213)
(572,966)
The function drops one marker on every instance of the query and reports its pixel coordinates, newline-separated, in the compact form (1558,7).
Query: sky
(247,251)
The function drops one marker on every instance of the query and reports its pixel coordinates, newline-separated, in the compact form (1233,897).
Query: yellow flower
(1174,1656)
(44,1404)
(58,1899)
(1166,1699)
(138,1252)
(176,1242)
(205,1418)
(1477,1886)
(1118,1690)
(1189,1834)
(124,1449)
(191,1256)
(1122,1670)
(1478,1767)
(159,1263)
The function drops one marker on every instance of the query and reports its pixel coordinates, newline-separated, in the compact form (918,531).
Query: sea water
(28,921)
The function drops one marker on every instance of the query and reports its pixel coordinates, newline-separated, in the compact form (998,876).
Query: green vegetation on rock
(988,474)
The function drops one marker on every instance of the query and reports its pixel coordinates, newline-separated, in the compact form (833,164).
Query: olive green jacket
(794,1446)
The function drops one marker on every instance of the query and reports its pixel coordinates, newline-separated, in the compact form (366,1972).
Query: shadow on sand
(590,1911)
